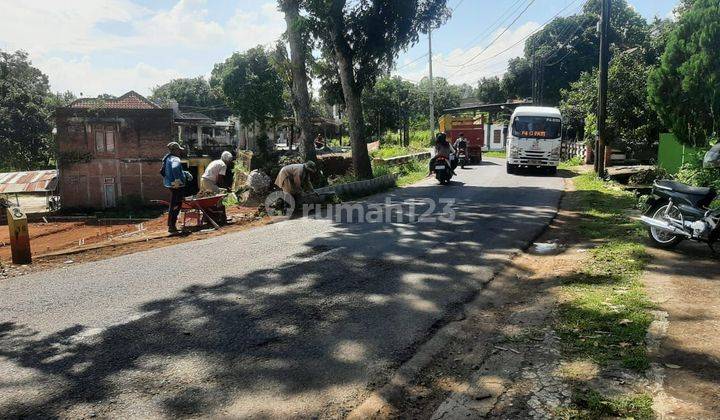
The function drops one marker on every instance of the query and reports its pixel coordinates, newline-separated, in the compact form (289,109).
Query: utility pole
(432,88)
(533,72)
(541,80)
(603,87)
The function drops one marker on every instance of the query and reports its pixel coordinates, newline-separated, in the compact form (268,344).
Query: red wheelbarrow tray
(192,203)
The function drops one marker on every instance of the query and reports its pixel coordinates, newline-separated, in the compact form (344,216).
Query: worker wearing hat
(214,174)
(174,179)
(294,179)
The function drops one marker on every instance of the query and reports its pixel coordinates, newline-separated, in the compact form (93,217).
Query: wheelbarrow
(197,209)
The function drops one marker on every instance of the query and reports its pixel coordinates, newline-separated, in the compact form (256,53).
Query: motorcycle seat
(685,189)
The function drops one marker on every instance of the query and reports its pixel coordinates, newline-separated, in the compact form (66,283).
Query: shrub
(647,177)
(693,173)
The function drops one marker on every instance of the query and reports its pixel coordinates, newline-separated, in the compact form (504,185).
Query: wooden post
(603,86)
(19,236)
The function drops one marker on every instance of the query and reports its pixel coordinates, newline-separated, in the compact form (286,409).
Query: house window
(497,137)
(104,138)
(110,141)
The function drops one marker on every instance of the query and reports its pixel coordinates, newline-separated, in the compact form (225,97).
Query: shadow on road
(343,313)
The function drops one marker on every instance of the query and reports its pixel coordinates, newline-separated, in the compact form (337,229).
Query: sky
(112,46)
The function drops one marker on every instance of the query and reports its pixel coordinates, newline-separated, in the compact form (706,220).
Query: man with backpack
(174,179)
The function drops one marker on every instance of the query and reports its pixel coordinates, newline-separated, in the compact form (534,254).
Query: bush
(647,177)
(387,152)
(693,173)
(381,170)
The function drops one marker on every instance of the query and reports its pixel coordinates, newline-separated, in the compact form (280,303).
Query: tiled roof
(130,100)
(31,181)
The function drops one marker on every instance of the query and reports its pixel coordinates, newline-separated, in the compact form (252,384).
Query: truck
(473,130)
(534,139)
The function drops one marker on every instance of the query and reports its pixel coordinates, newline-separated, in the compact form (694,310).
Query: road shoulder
(683,283)
(559,333)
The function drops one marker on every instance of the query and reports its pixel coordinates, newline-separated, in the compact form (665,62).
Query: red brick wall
(132,169)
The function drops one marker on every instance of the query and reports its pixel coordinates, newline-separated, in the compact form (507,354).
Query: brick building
(110,151)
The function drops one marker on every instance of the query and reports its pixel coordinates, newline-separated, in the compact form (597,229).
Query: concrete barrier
(364,187)
(399,160)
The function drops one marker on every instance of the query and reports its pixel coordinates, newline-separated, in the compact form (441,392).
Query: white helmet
(226,157)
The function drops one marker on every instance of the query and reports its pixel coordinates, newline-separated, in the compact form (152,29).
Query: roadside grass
(387,152)
(604,313)
(593,405)
(495,154)
(408,173)
(570,163)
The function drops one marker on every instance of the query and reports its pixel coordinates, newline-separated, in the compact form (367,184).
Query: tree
(297,39)
(490,91)
(568,46)
(517,80)
(685,88)
(364,37)
(60,99)
(250,86)
(578,101)
(25,129)
(191,94)
(630,118)
(387,104)
(445,96)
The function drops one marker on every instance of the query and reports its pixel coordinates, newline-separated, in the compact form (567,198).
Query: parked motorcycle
(442,169)
(678,211)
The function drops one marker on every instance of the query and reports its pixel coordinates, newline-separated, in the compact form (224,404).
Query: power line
(415,60)
(501,34)
(519,41)
(412,62)
(563,44)
(457,5)
(493,26)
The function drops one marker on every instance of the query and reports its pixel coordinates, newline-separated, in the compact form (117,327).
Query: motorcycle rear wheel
(661,238)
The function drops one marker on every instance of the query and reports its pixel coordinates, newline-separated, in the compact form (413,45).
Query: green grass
(342,179)
(412,172)
(592,405)
(495,154)
(605,313)
(570,163)
(386,152)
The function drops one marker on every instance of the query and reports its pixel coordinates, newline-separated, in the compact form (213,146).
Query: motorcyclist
(442,148)
(461,143)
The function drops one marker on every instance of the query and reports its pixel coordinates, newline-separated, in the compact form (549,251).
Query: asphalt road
(295,318)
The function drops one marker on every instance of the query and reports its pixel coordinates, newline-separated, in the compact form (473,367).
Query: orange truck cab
(472,128)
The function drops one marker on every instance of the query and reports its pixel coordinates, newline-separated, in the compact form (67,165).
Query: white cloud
(250,28)
(477,63)
(50,26)
(65,38)
(185,25)
(81,76)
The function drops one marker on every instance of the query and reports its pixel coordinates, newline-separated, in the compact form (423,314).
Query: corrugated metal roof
(130,100)
(26,182)
(193,116)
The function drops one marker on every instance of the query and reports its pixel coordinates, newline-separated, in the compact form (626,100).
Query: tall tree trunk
(352,93)
(301,98)
(406,129)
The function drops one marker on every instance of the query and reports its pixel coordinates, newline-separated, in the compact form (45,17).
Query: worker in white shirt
(214,174)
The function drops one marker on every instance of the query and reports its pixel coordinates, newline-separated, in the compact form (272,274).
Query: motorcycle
(442,169)
(462,158)
(677,211)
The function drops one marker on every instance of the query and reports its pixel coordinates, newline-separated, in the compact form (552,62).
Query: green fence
(672,154)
